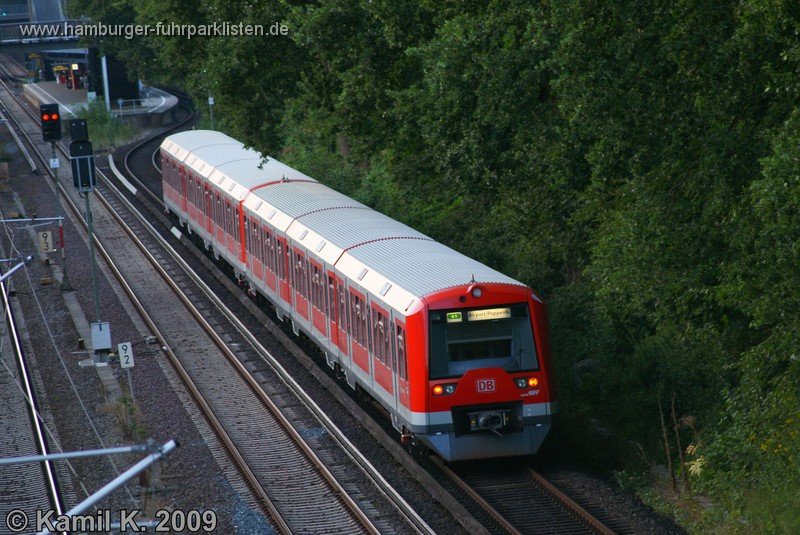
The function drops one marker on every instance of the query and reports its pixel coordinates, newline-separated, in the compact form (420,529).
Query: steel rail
(244,373)
(142,187)
(41,440)
(477,498)
(579,512)
(347,446)
(414,520)
(257,390)
(33,407)
(219,430)
(208,412)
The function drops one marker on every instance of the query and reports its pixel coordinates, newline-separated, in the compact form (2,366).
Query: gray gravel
(191,478)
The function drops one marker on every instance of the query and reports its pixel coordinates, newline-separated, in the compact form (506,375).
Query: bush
(105,130)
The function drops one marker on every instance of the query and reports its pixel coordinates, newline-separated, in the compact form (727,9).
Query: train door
(189,197)
(401,355)
(209,202)
(342,325)
(269,258)
(219,218)
(300,273)
(318,292)
(331,302)
(255,258)
(184,208)
(282,262)
(380,326)
(230,228)
(359,337)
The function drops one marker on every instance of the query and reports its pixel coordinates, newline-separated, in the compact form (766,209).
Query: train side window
(254,237)
(320,286)
(367,332)
(353,301)
(400,340)
(249,238)
(330,298)
(268,241)
(313,287)
(378,337)
(306,276)
(357,321)
(279,266)
(286,263)
(298,274)
(390,347)
(342,304)
(375,319)
(316,288)
(198,194)
(347,317)
(263,236)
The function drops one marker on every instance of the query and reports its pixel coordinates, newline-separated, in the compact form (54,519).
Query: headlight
(445,389)
(526,382)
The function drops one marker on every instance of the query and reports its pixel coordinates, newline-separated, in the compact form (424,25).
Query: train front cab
(488,393)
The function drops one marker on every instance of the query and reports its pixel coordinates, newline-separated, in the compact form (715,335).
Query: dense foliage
(636,162)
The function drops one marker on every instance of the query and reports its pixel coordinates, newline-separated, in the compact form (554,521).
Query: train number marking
(485,385)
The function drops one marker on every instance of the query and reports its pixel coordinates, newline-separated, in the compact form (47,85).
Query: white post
(105,84)
(119,481)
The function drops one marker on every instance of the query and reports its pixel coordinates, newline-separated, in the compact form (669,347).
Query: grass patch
(106,132)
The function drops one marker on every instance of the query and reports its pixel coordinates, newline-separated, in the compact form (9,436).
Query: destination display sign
(489,314)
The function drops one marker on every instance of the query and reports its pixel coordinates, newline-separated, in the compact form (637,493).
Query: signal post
(50,117)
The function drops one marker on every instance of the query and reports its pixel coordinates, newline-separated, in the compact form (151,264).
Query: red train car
(455,351)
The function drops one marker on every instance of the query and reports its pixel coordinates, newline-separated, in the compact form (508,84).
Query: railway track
(520,501)
(283,466)
(31,486)
(529,489)
(537,497)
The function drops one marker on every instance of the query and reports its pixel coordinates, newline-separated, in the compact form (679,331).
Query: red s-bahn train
(455,351)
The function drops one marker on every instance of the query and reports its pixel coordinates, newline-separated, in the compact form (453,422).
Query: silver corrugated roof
(400,254)
(358,224)
(192,140)
(423,267)
(229,158)
(298,198)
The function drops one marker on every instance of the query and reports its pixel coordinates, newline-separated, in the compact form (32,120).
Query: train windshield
(465,339)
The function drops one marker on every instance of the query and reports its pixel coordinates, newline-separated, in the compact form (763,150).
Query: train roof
(219,158)
(423,266)
(385,256)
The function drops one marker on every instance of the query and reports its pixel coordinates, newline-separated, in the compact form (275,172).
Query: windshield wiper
(513,359)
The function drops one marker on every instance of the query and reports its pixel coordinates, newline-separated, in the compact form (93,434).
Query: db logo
(485,385)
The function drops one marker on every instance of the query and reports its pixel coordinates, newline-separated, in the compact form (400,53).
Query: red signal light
(51,122)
